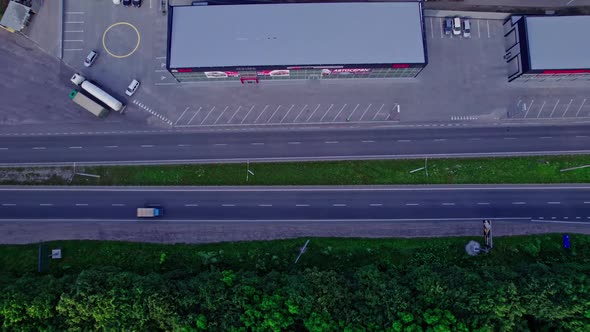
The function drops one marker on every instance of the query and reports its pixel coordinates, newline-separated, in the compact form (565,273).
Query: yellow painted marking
(114,25)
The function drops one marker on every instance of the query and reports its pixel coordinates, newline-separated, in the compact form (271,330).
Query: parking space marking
(554,107)
(71,31)
(379,111)
(440,25)
(361,119)
(343,107)
(478,30)
(313,113)
(567,108)
(75,13)
(273,114)
(579,109)
(259,115)
(541,110)
(432,28)
(287,113)
(298,115)
(186,109)
(244,119)
(351,113)
(232,117)
(197,112)
(207,115)
(328,111)
(74,22)
(74,40)
(72,49)
(488,23)
(219,117)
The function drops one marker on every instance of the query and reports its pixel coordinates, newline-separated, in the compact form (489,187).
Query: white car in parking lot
(456,26)
(466,28)
(133,86)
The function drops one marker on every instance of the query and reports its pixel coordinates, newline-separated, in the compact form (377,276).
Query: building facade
(250,43)
(547,48)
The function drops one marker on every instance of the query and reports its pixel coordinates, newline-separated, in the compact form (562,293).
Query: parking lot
(540,107)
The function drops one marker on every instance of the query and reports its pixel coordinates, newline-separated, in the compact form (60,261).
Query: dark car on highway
(137,3)
(126,3)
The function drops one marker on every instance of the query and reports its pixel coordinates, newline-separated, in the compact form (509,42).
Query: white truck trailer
(150,212)
(98,93)
(88,104)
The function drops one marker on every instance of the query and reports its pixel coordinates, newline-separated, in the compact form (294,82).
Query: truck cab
(150,212)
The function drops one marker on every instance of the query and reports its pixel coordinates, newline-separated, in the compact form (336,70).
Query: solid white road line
(378,112)
(343,107)
(206,116)
(361,119)
(259,115)
(554,107)
(219,117)
(232,117)
(567,108)
(197,112)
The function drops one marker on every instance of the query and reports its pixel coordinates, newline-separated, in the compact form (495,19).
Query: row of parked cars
(91,58)
(456,25)
(127,3)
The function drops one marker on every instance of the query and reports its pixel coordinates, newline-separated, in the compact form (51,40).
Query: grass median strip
(542,169)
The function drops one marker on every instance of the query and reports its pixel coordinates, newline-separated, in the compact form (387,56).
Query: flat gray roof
(558,42)
(296,34)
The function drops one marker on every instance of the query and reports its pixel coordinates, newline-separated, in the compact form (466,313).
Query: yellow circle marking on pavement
(114,25)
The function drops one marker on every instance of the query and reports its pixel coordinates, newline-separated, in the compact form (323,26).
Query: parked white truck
(88,104)
(98,93)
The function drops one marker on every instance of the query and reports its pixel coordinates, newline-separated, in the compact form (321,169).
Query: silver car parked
(90,58)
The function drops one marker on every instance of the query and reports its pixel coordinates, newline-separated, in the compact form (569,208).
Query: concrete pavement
(268,145)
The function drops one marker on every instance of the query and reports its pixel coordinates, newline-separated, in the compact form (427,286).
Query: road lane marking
(518,203)
(375,204)
(111,146)
(449,204)
(338,204)
(45,204)
(328,111)
(8,204)
(273,114)
(220,144)
(3,148)
(540,110)
(39,148)
(74,50)
(228,205)
(440,139)
(117,204)
(286,114)
(368,141)
(147,146)
(81,204)
(312,113)
(475,139)
(509,137)
(297,117)
(343,107)
(182,145)
(412,204)
(404,140)
(219,117)
(264,205)
(257,143)
(488,23)
(191,204)
(74,22)
(74,40)
(331,142)
(545,137)
(75,13)
(301,205)
(244,119)
(553,202)
(232,117)
(567,108)
(478,31)
(294,143)
(75,147)
(205,119)
(483,203)
(586,202)
(186,109)
(197,112)
(259,115)
(361,119)
(432,27)
(580,136)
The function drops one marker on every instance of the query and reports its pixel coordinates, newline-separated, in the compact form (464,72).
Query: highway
(281,145)
(300,204)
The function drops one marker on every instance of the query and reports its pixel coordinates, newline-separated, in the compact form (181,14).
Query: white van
(466,28)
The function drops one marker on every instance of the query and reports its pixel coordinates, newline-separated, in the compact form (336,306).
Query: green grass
(323,253)
(440,171)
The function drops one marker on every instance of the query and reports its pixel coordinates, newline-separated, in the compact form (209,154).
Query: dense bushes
(545,294)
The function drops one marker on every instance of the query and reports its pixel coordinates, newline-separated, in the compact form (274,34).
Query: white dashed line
(75,147)
(220,144)
(338,204)
(147,146)
(475,139)
(264,205)
(403,140)
(39,148)
(294,143)
(509,137)
(3,148)
(117,204)
(553,202)
(111,146)
(183,145)
(45,204)
(412,204)
(440,139)
(545,137)
(581,136)
(81,204)
(257,143)
(228,205)
(8,204)
(331,142)
(368,141)
(375,204)
(518,203)
(449,204)
(191,204)
(301,205)
(483,203)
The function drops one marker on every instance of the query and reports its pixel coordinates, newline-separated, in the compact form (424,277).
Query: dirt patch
(36,175)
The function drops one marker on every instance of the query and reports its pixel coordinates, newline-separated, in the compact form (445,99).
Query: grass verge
(322,253)
(543,169)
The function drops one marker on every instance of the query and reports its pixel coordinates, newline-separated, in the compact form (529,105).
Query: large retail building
(296,41)
(542,48)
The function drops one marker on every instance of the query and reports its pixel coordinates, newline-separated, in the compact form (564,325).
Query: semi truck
(149,212)
(88,104)
(98,93)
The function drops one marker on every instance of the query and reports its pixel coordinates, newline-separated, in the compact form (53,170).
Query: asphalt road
(300,204)
(267,145)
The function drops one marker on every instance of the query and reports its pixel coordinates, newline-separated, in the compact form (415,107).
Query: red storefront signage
(221,74)
(273,73)
(567,71)
(346,71)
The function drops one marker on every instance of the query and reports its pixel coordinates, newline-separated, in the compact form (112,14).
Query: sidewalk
(45,28)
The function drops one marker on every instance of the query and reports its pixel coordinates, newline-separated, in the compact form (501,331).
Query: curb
(61,27)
